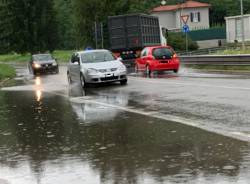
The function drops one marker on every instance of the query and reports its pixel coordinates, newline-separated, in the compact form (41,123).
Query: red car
(157,58)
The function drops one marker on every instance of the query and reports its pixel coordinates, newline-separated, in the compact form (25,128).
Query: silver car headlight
(92,71)
(122,68)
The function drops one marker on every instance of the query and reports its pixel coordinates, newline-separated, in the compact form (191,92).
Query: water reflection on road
(49,139)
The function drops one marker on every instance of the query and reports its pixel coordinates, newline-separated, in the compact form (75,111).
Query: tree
(65,22)
(35,28)
(87,12)
(6,22)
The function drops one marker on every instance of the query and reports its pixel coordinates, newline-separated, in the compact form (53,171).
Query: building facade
(170,15)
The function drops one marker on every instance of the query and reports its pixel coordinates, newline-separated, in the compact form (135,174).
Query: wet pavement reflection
(46,138)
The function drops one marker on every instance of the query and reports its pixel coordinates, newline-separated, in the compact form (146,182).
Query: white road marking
(154,81)
(154,114)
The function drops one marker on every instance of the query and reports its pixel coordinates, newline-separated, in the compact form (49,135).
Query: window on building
(195,16)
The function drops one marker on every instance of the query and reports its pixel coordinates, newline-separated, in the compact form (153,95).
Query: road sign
(185,28)
(185,18)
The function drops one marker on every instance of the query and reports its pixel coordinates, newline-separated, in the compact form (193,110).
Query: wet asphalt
(189,127)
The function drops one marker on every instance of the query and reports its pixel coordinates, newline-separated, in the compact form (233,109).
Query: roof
(187,4)
(92,51)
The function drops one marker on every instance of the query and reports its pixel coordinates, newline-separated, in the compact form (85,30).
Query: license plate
(109,75)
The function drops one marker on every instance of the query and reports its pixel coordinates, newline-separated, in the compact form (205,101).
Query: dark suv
(43,63)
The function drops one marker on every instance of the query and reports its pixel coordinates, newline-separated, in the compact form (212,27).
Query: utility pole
(96,43)
(102,35)
(242,25)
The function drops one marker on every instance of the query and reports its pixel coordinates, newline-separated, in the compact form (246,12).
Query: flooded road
(61,142)
(51,133)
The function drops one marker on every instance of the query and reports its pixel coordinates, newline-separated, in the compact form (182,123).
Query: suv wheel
(69,78)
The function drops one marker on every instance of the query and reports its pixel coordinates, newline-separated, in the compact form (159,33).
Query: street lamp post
(242,25)
(163,2)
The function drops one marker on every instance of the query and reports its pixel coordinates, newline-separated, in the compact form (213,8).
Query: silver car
(96,66)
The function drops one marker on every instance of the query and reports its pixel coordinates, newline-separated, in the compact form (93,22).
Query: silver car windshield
(44,57)
(96,57)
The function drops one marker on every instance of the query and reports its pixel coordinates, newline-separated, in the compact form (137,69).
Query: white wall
(166,19)
(231,28)
(204,22)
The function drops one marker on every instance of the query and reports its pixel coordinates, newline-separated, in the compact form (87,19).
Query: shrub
(178,42)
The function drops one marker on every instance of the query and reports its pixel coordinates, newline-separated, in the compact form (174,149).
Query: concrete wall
(210,43)
(231,27)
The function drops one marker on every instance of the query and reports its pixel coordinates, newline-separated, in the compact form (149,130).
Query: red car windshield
(163,53)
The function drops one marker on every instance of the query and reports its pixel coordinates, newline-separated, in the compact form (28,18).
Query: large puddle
(45,138)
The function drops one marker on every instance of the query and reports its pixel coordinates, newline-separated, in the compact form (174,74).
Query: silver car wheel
(82,80)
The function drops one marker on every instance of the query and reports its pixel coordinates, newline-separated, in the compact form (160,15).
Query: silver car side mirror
(119,59)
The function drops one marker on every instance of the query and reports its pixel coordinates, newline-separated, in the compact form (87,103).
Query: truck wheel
(176,71)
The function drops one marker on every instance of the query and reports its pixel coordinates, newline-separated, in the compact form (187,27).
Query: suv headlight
(54,63)
(36,65)
(122,68)
(92,71)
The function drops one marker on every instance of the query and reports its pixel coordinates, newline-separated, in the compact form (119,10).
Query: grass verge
(62,56)
(233,52)
(6,72)
(14,58)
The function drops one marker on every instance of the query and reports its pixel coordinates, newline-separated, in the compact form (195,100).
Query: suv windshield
(95,57)
(44,57)
(163,53)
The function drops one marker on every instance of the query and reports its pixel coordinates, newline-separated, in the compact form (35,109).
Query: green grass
(61,55)
(233,52)
(14,58)
(6,71)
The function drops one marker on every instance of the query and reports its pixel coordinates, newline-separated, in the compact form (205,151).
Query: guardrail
(237,60)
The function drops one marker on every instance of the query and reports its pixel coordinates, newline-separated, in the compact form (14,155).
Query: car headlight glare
(36,65)
(92,71)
